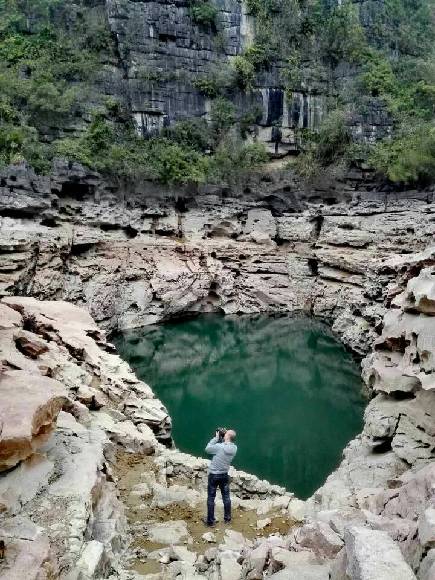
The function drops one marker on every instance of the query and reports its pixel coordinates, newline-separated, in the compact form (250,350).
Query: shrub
(378,77)
(192,133)
(233,159)
(408,157)
(203,13)
(258,54)
(330,145)
(172,163)
(342,36)
(223,115)
(333,138)
(207,86)
(244,72)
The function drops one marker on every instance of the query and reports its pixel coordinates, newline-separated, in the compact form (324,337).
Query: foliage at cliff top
(53,57)
(389,49)
(56,57)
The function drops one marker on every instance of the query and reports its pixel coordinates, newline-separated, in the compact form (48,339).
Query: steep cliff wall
(146,256)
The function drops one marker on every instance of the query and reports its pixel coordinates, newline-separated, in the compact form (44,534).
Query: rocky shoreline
(89,487)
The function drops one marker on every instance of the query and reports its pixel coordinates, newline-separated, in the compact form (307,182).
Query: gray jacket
(223,454)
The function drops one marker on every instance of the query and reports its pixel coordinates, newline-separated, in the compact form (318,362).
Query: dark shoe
(227,521)
(208,524)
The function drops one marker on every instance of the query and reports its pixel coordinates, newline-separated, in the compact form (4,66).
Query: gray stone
(171,532)
(372,555)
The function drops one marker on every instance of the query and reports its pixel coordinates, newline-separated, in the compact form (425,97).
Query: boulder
(20,485)
(92,563)
(320,538)
(257,561)
(296,510)
(372,555)
(209,537)
(183,554)
(178,494)
(30,406)
(301,566)
(427,566)
(261,524)
(420,292)
(426,528)
(30,344)
(229,567)
(135,439)
(234,541)
(27,551)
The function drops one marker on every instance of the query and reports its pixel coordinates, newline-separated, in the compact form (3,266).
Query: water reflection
(286,385)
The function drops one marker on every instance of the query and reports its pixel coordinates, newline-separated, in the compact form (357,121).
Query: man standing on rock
(223,449)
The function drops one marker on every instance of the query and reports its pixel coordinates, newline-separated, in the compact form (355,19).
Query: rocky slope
(139,257)
(75,494)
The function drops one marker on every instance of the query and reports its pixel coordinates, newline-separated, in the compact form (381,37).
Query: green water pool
(286,385)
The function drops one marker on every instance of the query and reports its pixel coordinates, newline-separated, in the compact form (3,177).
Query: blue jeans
(222,481)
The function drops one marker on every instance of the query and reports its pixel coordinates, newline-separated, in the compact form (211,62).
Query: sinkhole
(286,385)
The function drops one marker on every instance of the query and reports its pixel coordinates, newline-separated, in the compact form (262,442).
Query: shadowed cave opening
(286,384)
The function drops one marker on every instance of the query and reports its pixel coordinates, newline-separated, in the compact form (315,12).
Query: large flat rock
(30,406)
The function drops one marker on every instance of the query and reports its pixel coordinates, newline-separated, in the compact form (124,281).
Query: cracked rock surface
(143,256)
(90,486)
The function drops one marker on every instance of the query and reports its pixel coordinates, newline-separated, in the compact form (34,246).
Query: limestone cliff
(147,255)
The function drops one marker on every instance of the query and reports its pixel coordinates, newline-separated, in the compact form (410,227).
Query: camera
(221,433)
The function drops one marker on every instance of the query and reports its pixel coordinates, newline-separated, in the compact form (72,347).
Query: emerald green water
(289,389)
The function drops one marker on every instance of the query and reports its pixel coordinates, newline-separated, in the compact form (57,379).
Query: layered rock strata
(146,256)
(373,518)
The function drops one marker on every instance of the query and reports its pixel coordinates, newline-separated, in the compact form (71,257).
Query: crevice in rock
(317,222)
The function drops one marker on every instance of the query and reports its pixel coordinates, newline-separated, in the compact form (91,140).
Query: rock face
(28,414)
(162,53)
(57,474)
(373,518)
(372,555)
(142,258)
(132,262)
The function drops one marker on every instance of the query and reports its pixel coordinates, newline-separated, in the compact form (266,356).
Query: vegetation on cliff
(53,102)
(56,58)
